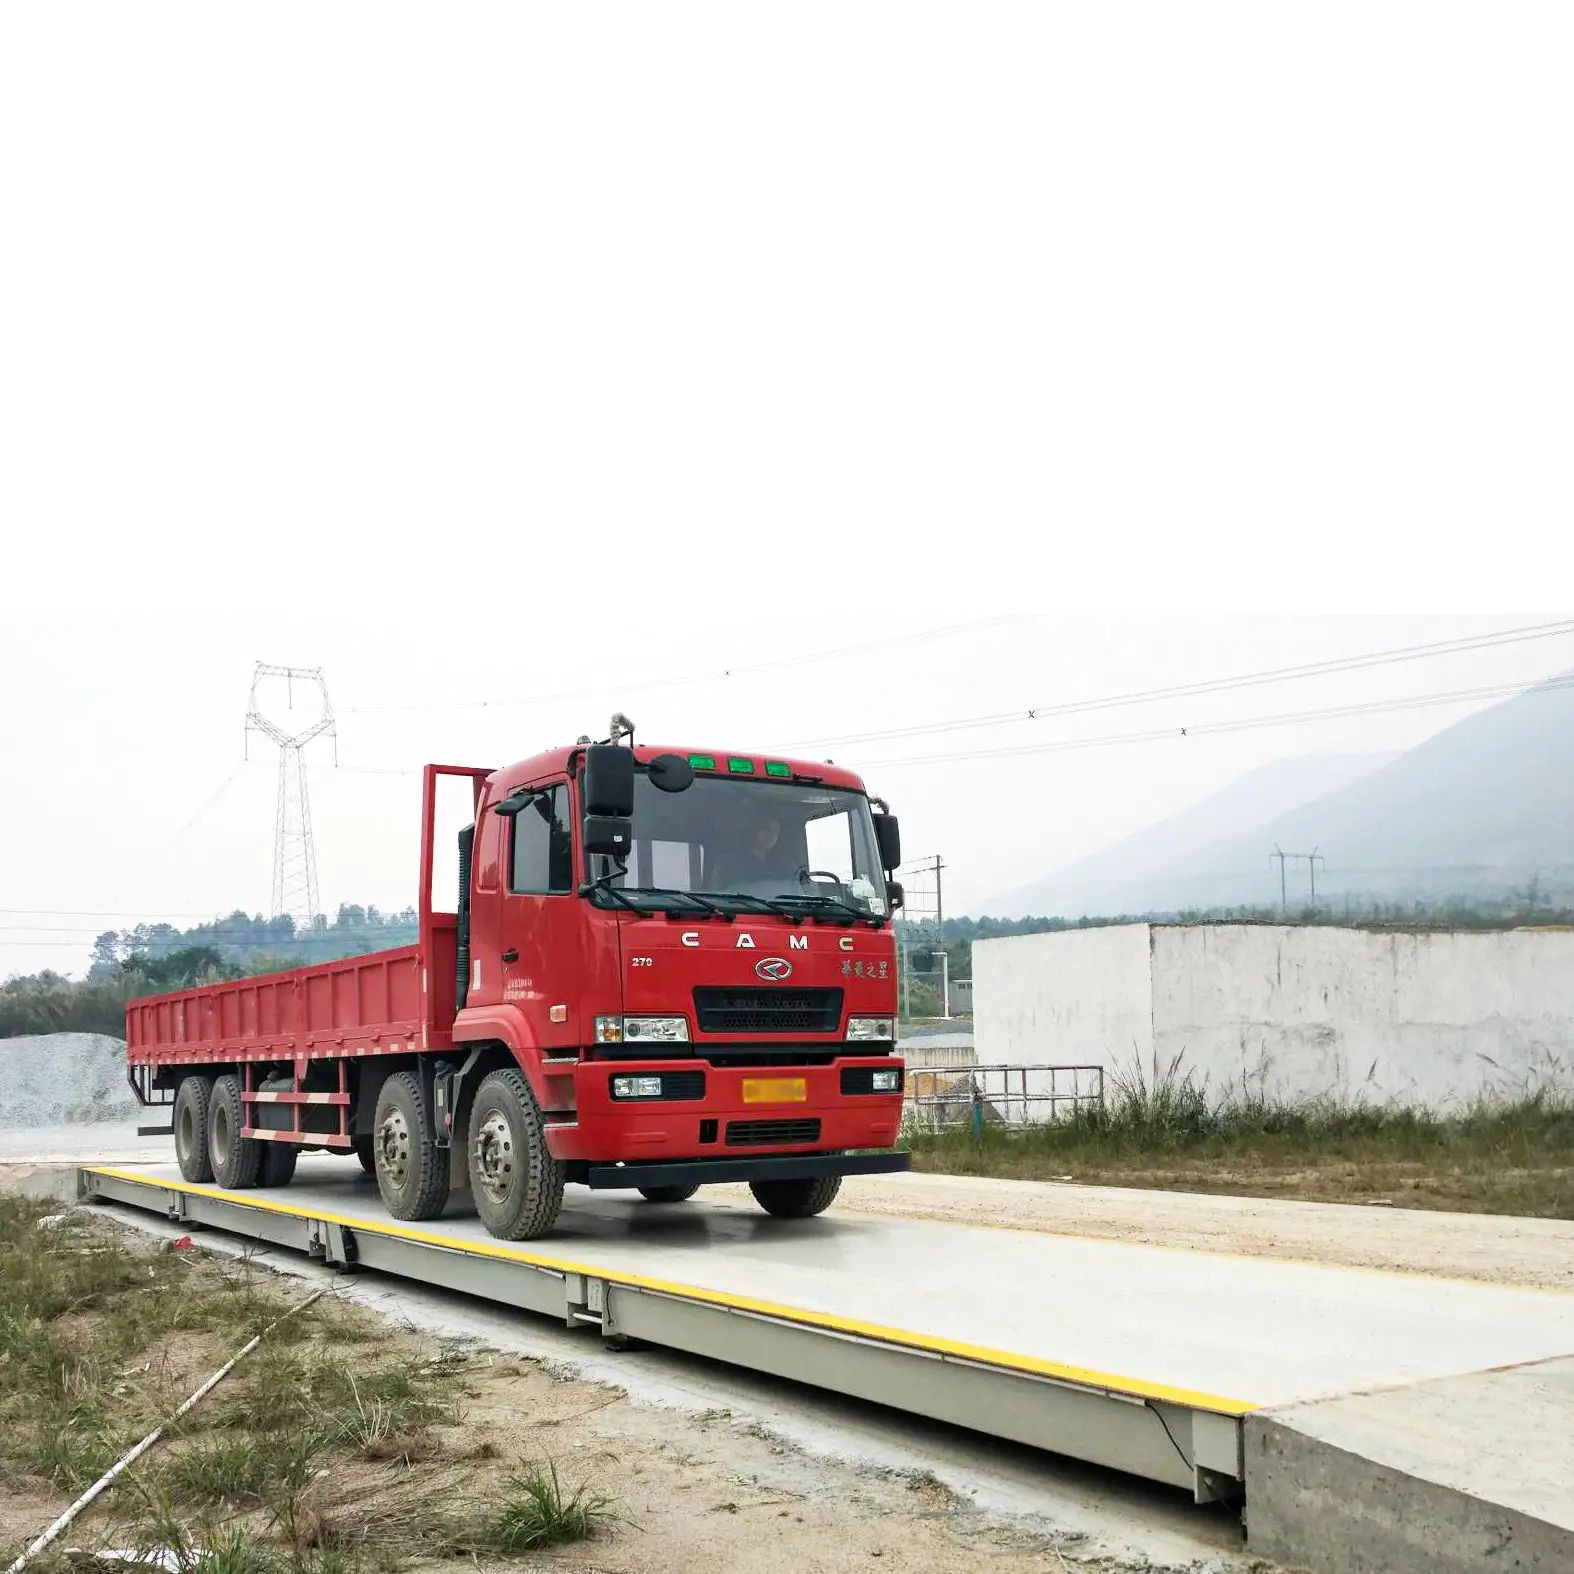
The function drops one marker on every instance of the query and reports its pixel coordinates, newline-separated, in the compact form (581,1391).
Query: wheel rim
(219,1142)
(493,1158)
(393,1147)
(185,1133)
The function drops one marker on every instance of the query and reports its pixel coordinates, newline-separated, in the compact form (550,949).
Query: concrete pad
(1457,1474)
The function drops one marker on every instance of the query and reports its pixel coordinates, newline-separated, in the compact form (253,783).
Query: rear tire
(363,1151)
(191,1129)
(667,1193)
(235,1159)
(797,1199)
(412,1171)
(278,1164)
(516,1183)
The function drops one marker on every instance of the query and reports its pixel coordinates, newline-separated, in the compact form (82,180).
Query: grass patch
(234,1470)
(537,1512)
(322,1453)
(1168,1131)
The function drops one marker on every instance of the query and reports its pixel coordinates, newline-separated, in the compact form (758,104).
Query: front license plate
(775,1090)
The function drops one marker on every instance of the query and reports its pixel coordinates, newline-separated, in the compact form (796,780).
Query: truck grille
(768,1010)
(770,1133)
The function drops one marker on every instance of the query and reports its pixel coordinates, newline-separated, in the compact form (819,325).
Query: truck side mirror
(888,833)
(609,781)
(610,834)
(895,895)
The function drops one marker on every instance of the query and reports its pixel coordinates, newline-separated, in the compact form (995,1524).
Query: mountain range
(1481,808)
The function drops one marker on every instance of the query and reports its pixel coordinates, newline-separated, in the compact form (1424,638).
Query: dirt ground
(1486,1247)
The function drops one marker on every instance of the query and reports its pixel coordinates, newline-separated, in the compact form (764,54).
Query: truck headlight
(636,1087)
(642,1030)
(861,1029)
(886,1081)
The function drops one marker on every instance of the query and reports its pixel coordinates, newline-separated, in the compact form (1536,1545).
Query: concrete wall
(1431,1019)
(1080,997)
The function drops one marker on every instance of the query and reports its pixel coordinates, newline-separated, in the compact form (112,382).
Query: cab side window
(542,862)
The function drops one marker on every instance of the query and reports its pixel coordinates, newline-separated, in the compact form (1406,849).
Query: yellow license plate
(775,1090)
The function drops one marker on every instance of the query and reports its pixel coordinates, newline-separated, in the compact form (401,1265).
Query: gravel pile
(58,1079)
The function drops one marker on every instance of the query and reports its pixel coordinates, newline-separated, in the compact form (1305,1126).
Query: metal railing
(1008,1098)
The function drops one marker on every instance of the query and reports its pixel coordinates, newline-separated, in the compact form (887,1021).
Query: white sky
(489,352)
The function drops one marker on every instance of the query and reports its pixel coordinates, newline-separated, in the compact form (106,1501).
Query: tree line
(153,959)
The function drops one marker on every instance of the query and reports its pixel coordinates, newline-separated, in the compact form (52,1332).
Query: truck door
(540,937)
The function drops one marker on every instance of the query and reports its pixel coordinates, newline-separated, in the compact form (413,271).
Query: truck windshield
(793,845)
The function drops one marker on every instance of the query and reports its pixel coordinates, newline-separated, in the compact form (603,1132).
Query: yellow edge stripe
(1085,1377)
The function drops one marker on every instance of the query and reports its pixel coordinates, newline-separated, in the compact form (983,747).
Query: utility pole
(1311,859)
(294,854)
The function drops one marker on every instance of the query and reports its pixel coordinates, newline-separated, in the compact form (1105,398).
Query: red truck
(666,968)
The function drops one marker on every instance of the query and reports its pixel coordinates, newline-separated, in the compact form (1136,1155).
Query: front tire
(667,1193)
(236,1159)
(191,1129)
(412,1171)
(796,1199)
(516,1183)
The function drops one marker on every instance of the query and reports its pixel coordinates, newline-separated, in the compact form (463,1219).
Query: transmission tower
(294,856)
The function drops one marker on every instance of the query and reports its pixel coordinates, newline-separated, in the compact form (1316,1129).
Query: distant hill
(1122,877)
(1483,807)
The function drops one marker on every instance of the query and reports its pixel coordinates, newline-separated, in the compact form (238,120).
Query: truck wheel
(363,1151)
(412,1171)
(236,1159)
(797,1199)
(667,1193)
(278,1164)
(518,1185)
(191,1129)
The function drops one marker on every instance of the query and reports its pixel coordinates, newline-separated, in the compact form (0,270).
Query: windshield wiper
(805,899)
(757,904)
(666,893)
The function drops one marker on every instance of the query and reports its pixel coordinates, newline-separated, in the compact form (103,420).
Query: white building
(1293,1012)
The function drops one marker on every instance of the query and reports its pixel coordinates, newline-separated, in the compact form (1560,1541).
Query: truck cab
(673,967)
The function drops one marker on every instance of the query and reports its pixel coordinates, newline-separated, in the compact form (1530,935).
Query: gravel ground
(57,1079)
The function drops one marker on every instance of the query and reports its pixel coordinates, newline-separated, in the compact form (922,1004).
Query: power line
(197,814)
(1246,724)
(713,675)
(1209,686)
(1162,734)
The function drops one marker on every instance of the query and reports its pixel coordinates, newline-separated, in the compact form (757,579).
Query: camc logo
(774,968)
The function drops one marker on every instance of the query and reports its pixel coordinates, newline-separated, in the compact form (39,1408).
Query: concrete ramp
(1459,1475)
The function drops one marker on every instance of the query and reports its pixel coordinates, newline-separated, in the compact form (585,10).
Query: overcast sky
(492,352)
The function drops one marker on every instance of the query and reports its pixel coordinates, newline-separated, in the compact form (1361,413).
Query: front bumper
(721,1124)
(715,1172)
